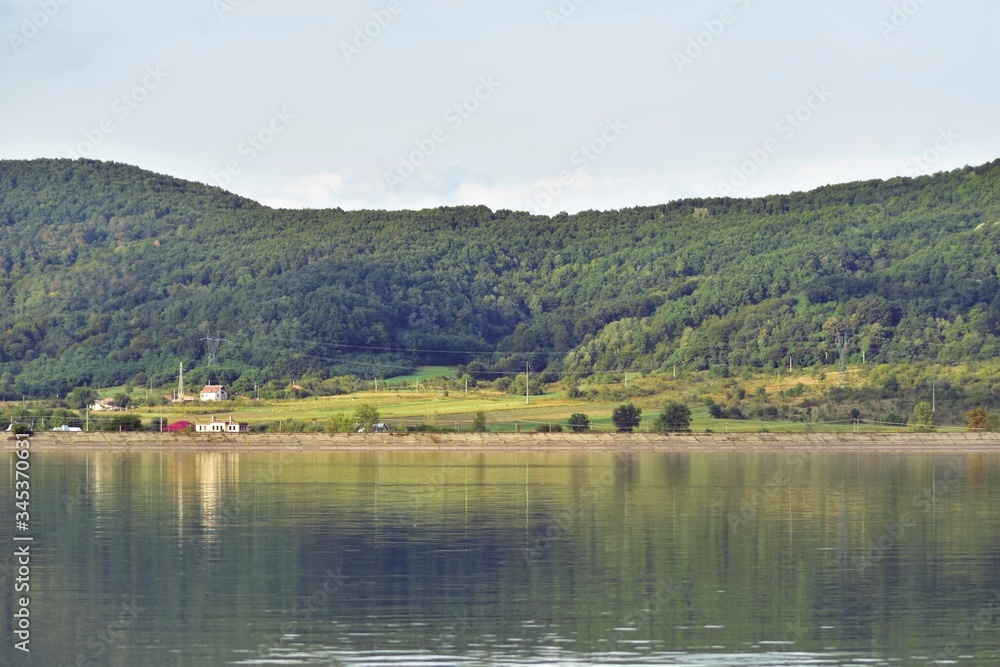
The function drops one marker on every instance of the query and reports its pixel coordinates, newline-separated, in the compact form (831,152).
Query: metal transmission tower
(842,341)
(212,344)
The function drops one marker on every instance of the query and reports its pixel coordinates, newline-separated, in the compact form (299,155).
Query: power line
(212,344)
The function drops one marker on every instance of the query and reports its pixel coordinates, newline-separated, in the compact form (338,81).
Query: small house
(214,392)
(230,426)
(105,405)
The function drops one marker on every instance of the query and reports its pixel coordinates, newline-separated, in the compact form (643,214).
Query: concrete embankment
(510,442)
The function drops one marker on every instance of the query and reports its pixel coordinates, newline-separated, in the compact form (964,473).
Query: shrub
(366,416)
(124,423)
(923,418)
(675,418)
(479,422)
(340,423)
(81,397)
(715,410)
(722,412)
(18,427)
(626,418)
(992,424)
(579,422)
(977,418)
(768,413)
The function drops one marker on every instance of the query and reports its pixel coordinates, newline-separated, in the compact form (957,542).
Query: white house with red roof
(214,392)
(105,405)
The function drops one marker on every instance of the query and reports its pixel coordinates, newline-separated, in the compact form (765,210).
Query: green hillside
(110,274)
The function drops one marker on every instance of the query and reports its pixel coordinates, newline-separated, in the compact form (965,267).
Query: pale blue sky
(561,105)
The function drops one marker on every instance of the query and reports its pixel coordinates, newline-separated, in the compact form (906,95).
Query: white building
(222,427)
(105,405)
(214,392)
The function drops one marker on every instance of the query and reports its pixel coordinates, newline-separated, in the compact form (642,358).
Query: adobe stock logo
(563,13)
(901,16)
(224,7)
(121,108)
(921,164)
(251,147)
(455,117)
(714,29)
(583,158)
(364,35)
(787,127)
(34,23)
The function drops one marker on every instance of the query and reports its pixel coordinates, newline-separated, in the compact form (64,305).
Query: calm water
(422,559)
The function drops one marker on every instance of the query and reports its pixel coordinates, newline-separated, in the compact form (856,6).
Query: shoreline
(509,442)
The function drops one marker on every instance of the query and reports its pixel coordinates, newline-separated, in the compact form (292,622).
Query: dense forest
(111,274)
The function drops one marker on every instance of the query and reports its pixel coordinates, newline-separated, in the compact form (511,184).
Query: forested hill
(110,273)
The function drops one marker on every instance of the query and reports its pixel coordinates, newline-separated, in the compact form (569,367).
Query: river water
(509,559)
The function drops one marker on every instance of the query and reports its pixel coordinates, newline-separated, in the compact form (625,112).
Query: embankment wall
(508,442)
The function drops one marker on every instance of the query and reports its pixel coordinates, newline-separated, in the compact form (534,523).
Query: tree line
(111,274)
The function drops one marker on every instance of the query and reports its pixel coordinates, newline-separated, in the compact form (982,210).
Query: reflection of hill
(747,542)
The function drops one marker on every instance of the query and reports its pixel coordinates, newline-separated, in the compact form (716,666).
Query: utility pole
(842,341)
(180,384)
(934,392)
(526,383)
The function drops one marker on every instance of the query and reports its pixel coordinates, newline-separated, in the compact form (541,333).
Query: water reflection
(400,558)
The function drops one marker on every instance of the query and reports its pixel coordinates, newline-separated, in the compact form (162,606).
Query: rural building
(222,427)
(105,405)
(177,426)
(214,392)
(381,427)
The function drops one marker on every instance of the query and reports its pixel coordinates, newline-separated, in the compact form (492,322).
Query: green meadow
(807,400)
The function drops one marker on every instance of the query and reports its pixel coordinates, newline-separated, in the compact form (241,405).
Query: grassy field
(423,375)
(806,400)
(414,400)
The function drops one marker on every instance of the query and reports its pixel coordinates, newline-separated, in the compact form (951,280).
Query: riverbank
(510,442)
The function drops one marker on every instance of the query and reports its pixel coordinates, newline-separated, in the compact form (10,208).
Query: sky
(538,105)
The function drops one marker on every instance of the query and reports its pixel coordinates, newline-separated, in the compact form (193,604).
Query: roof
(212,388)
(178,426)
